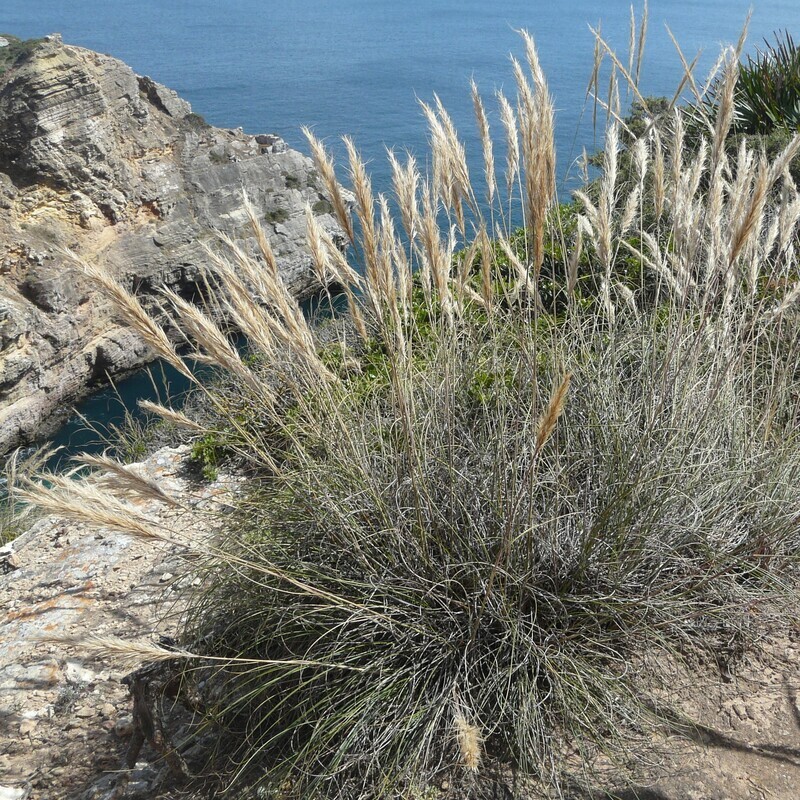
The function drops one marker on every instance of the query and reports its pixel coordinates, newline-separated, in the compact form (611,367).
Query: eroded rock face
(115,167)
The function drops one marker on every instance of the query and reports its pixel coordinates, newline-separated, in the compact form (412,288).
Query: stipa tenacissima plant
(462,529)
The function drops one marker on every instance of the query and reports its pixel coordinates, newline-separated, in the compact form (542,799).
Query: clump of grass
(466,521)
(15,517)
(10,521)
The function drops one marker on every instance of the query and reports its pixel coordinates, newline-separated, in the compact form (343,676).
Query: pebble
(9,560)
(167,576)
(13,793)
(138,789)
(108,710)
(27,727)
(85,712)
(124,727)
(37,713)
(739,710)
(75,673)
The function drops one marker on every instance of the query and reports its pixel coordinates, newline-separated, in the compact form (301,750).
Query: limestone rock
(64,711)
(116,168)
(13,793)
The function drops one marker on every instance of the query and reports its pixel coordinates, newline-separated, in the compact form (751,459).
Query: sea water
(359,67)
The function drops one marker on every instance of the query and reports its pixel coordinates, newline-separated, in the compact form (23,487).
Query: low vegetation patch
(14,50)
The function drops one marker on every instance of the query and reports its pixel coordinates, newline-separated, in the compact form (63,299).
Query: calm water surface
(358,66)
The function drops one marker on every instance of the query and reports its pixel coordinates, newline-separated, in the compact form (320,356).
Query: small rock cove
(91,426)
(100,166)
(94,423)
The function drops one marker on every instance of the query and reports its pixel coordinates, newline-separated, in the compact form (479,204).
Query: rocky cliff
(116,167)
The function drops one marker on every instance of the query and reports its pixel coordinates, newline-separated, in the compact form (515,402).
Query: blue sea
(358,66)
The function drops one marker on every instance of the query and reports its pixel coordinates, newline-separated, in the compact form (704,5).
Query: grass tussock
(15,516)
(534,457)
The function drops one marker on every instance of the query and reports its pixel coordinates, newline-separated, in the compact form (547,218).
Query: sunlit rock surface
(118,169)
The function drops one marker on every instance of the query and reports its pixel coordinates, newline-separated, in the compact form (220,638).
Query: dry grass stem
(126,479)
(324,164)
(171,415)
(555,407)
(486,144)
(85,502)
(133,313)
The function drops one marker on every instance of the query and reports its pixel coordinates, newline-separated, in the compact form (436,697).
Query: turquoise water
(99,418)
(358,66)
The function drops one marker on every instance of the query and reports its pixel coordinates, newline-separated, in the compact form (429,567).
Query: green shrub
(219,157)
(15,50)
(206,454)
(322,206)
(768,89)
(196,122)
(292,181)
(276,216)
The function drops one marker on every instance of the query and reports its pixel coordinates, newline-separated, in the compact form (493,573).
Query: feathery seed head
(470,742)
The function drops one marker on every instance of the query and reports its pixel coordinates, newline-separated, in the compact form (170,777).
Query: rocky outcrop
(116,167)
